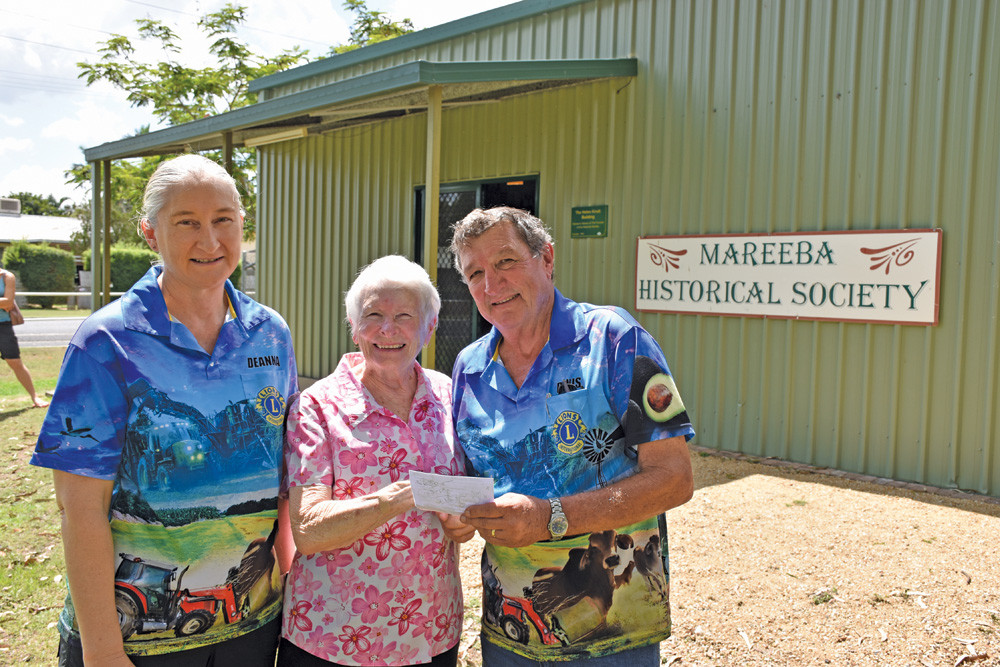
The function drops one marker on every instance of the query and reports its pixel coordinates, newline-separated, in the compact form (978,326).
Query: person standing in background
(10,351)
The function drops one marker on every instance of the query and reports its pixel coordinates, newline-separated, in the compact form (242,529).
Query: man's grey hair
(389,273)
(531,230)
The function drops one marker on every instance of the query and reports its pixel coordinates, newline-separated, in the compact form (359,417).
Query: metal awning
(386,93)
(414,87)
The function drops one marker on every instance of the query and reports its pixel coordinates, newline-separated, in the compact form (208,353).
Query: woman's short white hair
(179,171)
(392,272)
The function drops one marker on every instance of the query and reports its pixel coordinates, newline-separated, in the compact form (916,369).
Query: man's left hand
(512,520)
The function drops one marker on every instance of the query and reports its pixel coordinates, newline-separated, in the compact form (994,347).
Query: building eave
(398,89)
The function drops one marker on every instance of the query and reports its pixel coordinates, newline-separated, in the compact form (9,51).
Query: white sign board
(877,276)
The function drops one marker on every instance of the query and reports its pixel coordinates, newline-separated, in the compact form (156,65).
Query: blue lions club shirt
(597,391)
(193,443)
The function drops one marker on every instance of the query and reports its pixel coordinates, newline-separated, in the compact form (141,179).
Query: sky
(47,114)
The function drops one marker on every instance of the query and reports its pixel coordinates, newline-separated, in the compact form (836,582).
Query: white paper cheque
(448,493)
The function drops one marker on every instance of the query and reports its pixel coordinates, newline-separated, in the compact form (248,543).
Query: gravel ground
(774,564)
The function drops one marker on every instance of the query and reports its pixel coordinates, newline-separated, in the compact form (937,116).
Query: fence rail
(87,293)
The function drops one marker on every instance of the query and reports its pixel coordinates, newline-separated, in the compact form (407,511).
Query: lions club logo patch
(567,431)
(271,405)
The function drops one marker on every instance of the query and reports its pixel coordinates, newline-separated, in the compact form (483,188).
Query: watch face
(558,525)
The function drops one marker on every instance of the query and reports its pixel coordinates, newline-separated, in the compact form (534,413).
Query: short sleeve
(309,444)
(643,391)
(84,429)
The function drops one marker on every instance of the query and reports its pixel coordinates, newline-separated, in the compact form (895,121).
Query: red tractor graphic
(149,598)
(513,615)
(516,613)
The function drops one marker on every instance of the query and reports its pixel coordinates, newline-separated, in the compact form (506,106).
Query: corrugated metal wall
(745,117)
(327,207)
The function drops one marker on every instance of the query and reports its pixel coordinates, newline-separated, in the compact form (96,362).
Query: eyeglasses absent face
(510,284)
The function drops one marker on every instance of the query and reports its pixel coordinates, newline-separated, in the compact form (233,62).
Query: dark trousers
(290,655)
(254,649)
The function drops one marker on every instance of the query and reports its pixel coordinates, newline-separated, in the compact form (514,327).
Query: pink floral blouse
(394,597)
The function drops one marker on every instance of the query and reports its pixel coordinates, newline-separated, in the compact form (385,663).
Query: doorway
(459,322)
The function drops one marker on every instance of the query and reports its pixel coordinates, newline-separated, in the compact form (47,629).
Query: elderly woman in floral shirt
(375,581)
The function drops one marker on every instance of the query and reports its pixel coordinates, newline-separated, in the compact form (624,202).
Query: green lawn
(60,310)
(43,362)
(33,580)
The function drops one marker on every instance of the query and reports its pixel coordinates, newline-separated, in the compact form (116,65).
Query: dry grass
(775,566)
(769,565)
(33,589)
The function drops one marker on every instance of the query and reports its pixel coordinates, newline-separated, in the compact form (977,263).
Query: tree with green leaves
(370,27)
(40,268)
(176,94)
(33,204)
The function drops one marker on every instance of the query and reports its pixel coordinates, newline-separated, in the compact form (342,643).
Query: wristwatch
(558,525)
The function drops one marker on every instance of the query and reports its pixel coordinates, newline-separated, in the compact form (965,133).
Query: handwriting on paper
(448,493)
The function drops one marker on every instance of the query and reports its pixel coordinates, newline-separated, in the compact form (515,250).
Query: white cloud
(312,24)
(13,121)
(32,59)
(12,145)
(40,180)
(90,123)
(435,12)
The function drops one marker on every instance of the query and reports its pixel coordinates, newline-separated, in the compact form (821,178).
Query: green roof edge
(420,72)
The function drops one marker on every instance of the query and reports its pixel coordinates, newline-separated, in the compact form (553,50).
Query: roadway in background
(47,331)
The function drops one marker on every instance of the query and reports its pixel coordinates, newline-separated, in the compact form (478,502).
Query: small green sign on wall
(589,222)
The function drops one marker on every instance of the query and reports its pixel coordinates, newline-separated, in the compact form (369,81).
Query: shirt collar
(566,327)
(358,405)
(144,310)
(568,323)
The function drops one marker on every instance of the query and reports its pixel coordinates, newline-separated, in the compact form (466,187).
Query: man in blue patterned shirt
(572,410)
